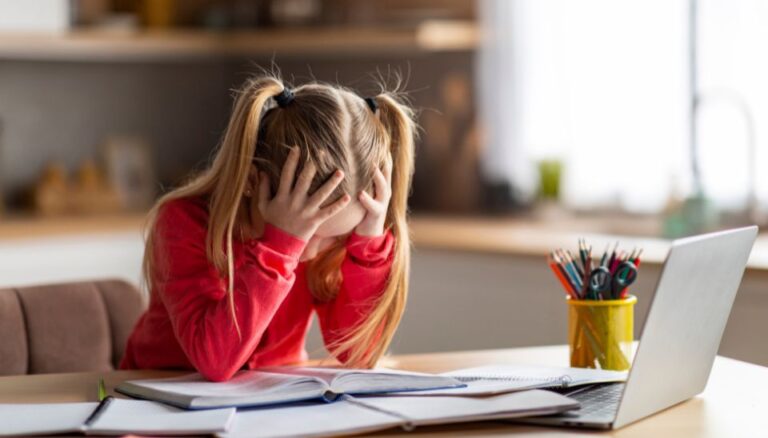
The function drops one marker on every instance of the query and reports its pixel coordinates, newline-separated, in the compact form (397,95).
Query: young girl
(303,209)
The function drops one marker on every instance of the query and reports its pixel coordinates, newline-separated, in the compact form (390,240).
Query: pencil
(605,255)
(587,269)
(571,272)
(575,265)
(566,285)
(583,252)
(613,255)
(566,273)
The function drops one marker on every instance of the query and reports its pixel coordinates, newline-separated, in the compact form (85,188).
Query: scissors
(602,281)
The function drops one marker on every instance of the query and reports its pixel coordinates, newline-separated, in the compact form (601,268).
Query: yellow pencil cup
(600,333)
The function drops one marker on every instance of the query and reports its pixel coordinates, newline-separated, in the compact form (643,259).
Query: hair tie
(284,98)
(372,104)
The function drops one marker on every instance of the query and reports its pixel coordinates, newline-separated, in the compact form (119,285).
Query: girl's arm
(195,294)
(365,271)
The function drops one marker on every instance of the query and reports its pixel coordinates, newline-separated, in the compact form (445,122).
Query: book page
(146,417)
(38,419)
(387,380)
(309,420)
(357,381)
(418,410)
(326,374)
(498,379)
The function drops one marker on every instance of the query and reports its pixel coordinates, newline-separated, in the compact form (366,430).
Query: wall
(58,111)
(64,111)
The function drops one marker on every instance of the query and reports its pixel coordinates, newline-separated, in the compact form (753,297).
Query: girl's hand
(376,207)
(294,210)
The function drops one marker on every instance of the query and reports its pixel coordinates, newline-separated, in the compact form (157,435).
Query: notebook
(498,379)
(117,417)
(279,385)
(362,414)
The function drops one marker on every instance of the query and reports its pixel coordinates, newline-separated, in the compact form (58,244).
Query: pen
(99,410)
(102,389)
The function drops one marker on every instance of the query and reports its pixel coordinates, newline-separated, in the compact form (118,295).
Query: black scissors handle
(623,277)
(600,280)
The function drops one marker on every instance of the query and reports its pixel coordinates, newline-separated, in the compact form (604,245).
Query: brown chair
(66,327)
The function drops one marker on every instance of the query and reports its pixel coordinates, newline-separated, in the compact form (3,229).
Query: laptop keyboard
(596,400)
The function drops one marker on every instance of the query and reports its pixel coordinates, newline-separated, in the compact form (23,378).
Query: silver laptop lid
(685,323)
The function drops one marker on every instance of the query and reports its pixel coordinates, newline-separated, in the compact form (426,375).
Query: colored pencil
(566,285)
(574,274)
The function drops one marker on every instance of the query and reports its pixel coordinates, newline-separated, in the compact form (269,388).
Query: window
(604,86)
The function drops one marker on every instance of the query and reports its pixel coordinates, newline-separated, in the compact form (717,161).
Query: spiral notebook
(499,379)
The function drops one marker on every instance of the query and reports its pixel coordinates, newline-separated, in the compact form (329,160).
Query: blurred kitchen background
(543,121)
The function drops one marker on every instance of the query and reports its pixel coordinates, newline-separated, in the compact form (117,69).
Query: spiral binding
(563,381)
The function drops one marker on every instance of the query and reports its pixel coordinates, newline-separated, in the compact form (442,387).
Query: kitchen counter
(513,236)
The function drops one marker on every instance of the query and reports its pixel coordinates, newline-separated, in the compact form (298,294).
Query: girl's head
(334,128)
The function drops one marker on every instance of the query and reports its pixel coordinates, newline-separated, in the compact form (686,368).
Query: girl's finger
(382,186)
(263,191)
(326,189)
(335,207)
(305,179)
(368,202)
(289,172)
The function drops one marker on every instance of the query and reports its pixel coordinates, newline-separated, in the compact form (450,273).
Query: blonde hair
(335,129)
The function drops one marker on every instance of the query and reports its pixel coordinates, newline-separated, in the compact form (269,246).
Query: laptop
(682,333)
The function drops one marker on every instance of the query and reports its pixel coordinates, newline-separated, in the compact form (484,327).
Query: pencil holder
(600,333)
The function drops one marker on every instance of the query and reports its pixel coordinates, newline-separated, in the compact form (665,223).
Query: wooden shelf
(517,237)
(181,44)
(34,227)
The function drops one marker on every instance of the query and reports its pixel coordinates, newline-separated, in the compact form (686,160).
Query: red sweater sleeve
(365,271)
(196,298)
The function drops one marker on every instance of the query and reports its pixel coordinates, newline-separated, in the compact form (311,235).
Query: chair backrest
(66,327)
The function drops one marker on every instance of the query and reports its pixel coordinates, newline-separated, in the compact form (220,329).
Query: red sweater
(189,323)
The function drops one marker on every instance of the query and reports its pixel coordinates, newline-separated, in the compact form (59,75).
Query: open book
(111,417)
(280,385)
(355,415)
(498,379)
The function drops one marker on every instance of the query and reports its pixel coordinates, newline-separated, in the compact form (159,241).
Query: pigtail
(225,181)
(232,164)
(370,341)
